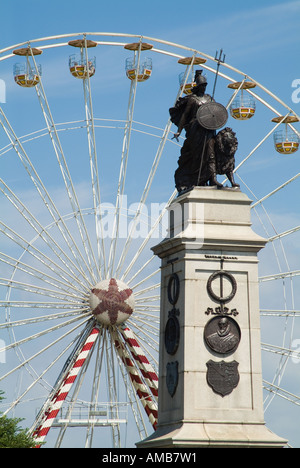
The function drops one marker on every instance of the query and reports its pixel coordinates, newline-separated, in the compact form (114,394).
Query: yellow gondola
(286,141)
(80,69)
(78,65)
(145,67)
(243,106)
(25,74)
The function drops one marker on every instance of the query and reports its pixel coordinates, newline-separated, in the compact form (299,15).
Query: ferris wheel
(86,158)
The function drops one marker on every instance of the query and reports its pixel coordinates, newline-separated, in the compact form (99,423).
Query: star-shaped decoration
(112,301)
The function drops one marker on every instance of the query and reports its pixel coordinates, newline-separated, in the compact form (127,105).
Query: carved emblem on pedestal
(172,377)
(219,296)
(172,329)
(223,377)
(222,335)
(172,333)
(173,289)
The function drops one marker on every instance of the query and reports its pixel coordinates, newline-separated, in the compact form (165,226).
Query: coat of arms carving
(222,376)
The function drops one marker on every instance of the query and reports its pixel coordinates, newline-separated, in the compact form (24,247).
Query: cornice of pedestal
(208,218)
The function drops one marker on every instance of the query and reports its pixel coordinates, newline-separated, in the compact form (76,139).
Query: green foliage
(11,435)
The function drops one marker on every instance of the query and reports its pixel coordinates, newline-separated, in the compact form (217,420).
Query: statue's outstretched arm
(184,120)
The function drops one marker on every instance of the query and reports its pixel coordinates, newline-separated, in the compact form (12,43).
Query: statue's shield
(212,115)
(222,376)
(172,377)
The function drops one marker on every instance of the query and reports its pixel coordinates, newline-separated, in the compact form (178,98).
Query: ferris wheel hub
(112,302)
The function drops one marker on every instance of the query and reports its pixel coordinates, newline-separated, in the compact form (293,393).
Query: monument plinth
(210,378)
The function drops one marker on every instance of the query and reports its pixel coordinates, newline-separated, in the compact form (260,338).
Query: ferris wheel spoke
(259,144)
(273,239)
(41,351)
(39,378)
(43,305)
(281,392)
(277,350)
(146,338)
(41,231)
(39,275)
(98,373)
(43,193)
(137,273)
(112,387)
(64,171)
(39,334)
(147,341)
(288,274)
(44,318)
(31,288)
(148,299)
(267,104)
(144,309)
(144,321)
(142,291)
(154,273)
(44,260)
(123,165)
(283,234)
(277,377)
(280,313)
(149,321)
(144,195)
(146,240)
(90,127)
(280,187)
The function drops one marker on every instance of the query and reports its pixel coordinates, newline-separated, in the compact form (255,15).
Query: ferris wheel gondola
(287,140)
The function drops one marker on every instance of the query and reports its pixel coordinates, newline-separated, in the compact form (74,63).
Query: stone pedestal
(210,380)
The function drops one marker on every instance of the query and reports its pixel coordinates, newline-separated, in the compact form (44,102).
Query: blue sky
(260,38)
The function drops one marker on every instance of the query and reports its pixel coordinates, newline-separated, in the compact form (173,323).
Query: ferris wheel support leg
(141,359)
(57,401)
(142,391)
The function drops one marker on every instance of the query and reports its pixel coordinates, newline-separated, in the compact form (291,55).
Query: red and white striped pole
(142,361)
(57,401)
(142,391)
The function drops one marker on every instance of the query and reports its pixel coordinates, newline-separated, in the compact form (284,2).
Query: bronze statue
(220,158)
(203,154)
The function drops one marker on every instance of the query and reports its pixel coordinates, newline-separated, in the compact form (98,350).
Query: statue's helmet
(199,78)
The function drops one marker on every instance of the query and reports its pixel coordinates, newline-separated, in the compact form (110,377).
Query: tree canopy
(11,434)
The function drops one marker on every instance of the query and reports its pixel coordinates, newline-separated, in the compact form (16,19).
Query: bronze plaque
(222,376)
(172,335)
(172,377)
(222,334)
